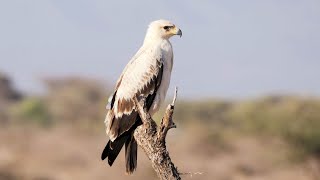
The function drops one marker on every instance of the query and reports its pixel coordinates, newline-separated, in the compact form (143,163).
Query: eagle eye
(167,27)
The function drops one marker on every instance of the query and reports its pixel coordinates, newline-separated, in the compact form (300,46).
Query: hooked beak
(179,32)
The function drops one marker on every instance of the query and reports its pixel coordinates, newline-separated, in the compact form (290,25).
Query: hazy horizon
(229,49)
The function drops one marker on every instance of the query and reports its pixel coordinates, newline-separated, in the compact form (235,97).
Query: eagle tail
(131,155)
(113,148)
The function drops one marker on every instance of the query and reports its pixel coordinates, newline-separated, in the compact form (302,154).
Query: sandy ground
(66,153)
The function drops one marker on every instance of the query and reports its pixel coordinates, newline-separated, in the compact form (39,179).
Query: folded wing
(141,77)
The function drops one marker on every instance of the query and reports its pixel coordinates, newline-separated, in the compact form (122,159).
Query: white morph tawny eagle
(146,75)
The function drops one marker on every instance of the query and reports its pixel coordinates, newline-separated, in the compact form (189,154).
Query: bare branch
(175,96)
(167,122)
(153,141)
(144,114)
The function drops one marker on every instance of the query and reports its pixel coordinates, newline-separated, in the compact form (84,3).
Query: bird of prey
(147,75)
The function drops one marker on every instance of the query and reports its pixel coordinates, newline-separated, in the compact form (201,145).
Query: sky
(229,49)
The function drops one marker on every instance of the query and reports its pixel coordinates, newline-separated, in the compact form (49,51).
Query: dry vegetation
(61,136)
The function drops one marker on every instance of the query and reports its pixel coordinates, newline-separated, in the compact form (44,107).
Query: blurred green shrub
(210,111)
(294,119)
(31,110)
(78,101)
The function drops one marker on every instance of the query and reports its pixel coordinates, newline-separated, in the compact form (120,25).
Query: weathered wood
(152,140)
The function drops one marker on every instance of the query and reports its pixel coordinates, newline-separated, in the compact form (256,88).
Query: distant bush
(77,101)
(205,111)
(31,110)
(7,92)
(296,120)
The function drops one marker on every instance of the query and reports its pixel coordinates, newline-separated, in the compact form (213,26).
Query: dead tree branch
(152,139)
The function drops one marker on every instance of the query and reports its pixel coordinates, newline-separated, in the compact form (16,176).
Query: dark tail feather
(112,149)
(105,151)
(131,155)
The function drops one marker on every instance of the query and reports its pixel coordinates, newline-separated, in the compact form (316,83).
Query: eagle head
(162,29)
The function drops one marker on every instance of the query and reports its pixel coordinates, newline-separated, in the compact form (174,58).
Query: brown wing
(117,125)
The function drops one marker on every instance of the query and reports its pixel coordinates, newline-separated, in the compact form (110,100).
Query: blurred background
(247,71)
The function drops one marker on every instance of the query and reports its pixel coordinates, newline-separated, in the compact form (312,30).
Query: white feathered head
(162,29)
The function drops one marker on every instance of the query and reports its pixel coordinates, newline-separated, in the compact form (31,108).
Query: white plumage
(140,71)
(147,74)
(143,67)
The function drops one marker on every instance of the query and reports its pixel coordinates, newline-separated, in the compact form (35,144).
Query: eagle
(147,75)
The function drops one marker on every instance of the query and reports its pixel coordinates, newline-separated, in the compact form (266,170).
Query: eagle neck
(155,41)
(153,38)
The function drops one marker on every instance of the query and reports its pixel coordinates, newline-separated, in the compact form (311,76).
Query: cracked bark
(152,139)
